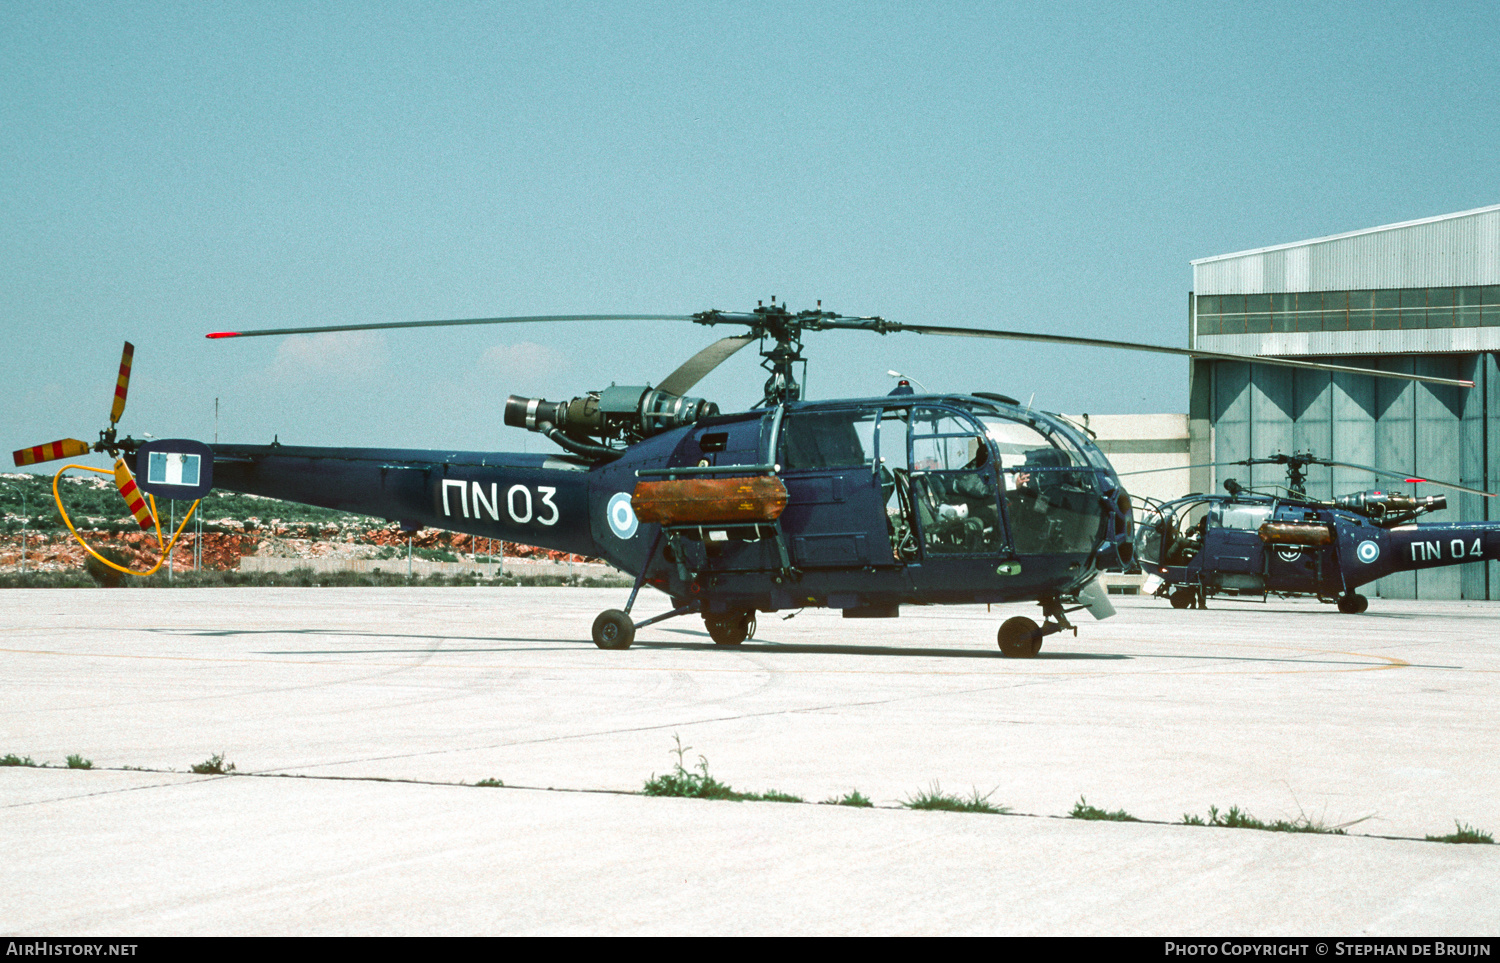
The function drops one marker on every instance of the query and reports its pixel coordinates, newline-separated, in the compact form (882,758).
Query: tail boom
(1372,553)
(532,499)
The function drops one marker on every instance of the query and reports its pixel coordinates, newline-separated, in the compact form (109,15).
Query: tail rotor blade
(125,482)
(694,369)
(66,448)
(122,384)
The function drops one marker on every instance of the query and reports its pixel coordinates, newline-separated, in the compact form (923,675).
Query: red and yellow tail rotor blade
(122,384)
(67,448)
(125,482)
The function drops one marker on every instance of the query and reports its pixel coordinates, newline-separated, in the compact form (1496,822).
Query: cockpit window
(828,439)
(1244,518)
(953,488)
(1171,536)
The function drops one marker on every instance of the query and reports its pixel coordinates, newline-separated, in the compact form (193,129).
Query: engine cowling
(618,413)
(1384,505)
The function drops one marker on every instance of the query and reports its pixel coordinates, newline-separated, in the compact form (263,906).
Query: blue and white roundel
(1367,552)
(621,516)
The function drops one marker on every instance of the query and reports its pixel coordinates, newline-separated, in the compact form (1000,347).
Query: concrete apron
(1288,711)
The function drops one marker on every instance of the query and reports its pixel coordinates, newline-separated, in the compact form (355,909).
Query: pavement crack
(107,792)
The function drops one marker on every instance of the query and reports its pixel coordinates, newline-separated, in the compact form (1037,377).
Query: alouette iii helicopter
(862,505)
(1248,543)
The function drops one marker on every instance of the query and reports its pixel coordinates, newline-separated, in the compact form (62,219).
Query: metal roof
(1458,249)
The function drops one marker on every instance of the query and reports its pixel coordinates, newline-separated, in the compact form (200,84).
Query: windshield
(1171,536)
(1051,488)
(1019,444)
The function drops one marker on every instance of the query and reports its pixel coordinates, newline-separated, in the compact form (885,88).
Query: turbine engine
(1388,508)
(618,413)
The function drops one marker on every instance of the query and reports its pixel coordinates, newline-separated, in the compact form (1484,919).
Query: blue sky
(172,169)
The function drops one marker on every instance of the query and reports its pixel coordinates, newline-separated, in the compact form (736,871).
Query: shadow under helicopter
(784,648)
(705,646)
(829,648)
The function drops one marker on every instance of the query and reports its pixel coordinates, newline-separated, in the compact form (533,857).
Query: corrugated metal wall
(1453,250)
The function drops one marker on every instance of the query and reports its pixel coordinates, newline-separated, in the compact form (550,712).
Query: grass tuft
(1464,834)
(75,761)
(11,759)
(1237,818)
(1082,810)
(490,784)
(853,798)
(699,784)
(935,799)
(774,795)
(214,765)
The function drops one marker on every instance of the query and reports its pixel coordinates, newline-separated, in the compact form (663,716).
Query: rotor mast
(780,334)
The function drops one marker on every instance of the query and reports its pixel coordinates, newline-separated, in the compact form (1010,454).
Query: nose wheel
(1020,638)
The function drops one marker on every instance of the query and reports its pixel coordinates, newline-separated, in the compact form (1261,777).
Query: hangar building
(1421,297)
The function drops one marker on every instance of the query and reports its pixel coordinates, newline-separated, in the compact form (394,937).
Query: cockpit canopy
(948,467)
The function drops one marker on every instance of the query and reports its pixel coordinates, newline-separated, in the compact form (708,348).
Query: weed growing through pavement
(853,798)
(1236,818)
(214,765)
(11,759)
(699,784)
(935,798)
(1465,834)
(1082,810)
(490,784)
(772,795)
(75,761)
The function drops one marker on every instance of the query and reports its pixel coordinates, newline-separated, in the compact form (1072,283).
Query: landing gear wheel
(614,629)
(1184,598)
(1353,603)
(732,628)
(1020,638)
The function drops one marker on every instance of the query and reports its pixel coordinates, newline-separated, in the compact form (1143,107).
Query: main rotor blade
(122,384)
(1404,476)
(1407,477)
(1201,464)
(693,370)
(1156,348)
(825,322)
(66,448)
(262,332)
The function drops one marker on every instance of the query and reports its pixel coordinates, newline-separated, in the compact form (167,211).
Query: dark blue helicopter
(1254,544)
(862,505)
